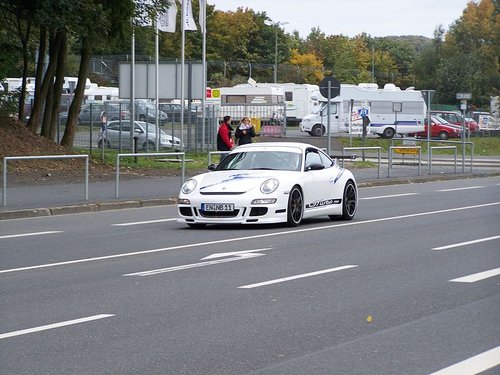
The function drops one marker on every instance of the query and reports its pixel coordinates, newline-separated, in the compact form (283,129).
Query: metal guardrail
(401,150)
(119,156)
(7,158)
(430,141)
(454,148)
(379,150)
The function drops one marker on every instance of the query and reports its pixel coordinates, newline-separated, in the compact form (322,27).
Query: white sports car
(269,182)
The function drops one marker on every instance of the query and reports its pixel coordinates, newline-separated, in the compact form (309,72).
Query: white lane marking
(477,276)
(55,325)
(216,242)
(461,188)
(233,253)
(284,279)
(30,234)
(389,196)
(466,243)
(195,265)
(473,365)
(142,222)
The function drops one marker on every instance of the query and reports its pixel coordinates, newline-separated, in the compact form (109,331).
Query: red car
(455,118)
(441,129)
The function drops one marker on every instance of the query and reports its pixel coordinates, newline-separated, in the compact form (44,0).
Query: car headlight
(269,186)
(188,186)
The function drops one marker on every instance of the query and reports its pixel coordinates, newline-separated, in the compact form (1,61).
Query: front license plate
(217,207)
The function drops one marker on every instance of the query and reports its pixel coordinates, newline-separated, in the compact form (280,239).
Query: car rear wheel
(295,207)
(349,202)
(388,133)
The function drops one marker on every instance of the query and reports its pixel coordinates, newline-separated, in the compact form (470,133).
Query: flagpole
(203,28)
(132,85)
(183,41)
(157,87)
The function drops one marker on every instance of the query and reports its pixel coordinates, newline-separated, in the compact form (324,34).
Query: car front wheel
(295,207)
(443,135)
(317,130)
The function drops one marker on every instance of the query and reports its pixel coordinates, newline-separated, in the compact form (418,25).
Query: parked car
(275,182)
(173,110)
(441,129)
(145,136)
(456,119)
(146,111)
(102,112)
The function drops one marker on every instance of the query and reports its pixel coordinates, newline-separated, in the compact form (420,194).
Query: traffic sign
(334,87)
(464,95)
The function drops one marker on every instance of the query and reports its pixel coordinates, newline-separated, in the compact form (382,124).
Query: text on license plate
(217,207)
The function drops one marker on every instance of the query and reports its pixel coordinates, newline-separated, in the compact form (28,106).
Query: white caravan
(391,110)
(266,103)
(300,98)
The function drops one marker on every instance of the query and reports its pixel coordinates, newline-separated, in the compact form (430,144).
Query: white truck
(300,98)
(391,110)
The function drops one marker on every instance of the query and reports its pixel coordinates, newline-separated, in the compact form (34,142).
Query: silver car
(116,134)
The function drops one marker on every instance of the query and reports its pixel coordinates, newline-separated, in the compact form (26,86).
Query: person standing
(245,132)
(225,136)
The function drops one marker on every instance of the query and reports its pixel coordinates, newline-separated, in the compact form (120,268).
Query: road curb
(24,213)
(116,205)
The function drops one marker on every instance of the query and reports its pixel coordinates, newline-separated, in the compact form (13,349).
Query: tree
(310,66)
(471,53)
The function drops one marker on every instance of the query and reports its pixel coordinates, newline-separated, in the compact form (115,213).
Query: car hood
(234,181)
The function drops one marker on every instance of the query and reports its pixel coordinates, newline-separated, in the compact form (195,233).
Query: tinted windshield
(276,160)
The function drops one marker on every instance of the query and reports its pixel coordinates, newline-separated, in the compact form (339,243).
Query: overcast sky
(351,17)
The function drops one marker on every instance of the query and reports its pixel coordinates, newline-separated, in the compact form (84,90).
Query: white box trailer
(265,103)
(391,110)
(300,98)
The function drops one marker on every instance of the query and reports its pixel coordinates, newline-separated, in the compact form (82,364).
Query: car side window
(312,157)
(325,160)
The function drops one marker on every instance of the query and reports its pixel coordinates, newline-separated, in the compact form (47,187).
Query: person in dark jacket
(245,132)
(225,137)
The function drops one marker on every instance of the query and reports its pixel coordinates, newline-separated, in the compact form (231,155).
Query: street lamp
(276,25)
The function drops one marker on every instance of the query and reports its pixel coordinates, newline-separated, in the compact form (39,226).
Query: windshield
(151,128)
(270,160)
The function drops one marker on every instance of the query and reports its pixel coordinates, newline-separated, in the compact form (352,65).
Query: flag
(187,16)
(166,20)
(203,16)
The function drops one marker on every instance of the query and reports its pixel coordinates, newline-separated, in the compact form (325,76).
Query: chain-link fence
(107,125)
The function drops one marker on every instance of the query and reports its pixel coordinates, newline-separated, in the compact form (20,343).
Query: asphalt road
(410,286)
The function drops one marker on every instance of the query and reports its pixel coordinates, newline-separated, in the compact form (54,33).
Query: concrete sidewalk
(45,200)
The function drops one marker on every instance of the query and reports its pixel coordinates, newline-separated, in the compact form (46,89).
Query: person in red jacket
(225,136)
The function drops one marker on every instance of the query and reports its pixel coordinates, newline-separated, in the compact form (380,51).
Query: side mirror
(212,167)
(315,167)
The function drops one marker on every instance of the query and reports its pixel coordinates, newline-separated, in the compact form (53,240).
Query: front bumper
(244,211)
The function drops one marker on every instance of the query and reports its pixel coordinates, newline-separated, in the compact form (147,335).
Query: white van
(391,110)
